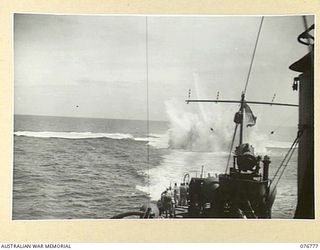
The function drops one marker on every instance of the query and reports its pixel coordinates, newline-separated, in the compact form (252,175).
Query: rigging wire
(285,162)
(284,166)
(148,120)
(253,55)
(285,158)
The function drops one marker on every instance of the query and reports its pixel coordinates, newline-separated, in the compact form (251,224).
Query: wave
(73,135)
(155,140)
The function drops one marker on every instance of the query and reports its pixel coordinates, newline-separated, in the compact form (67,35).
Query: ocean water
(84,168)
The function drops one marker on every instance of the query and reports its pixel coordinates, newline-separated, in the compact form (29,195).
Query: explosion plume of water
(209,128)
(189,131)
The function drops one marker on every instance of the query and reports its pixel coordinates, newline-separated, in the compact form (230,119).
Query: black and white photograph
(163,117)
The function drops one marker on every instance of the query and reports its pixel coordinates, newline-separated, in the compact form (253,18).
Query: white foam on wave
(73,135)
(155,140)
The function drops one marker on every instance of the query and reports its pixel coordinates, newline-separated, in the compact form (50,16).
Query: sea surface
(85,168)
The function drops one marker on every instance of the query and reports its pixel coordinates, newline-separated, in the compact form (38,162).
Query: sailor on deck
(176,194)
(183,194)
(167,204)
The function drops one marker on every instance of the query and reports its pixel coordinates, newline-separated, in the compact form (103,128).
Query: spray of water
(209,128)
(198,136)
(191,132)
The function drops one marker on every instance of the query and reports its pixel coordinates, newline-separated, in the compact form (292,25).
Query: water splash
(190,131)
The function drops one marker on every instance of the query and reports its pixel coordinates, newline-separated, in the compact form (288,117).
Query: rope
(285,165)
(287,154)
(285,161)
(282,172)
(231,146)
(254,52)
(148,122)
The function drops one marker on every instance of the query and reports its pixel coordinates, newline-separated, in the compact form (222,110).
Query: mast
(242,119)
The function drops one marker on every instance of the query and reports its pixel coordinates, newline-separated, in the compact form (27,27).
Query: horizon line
(104,118)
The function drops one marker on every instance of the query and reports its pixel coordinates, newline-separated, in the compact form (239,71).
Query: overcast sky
(95,66)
